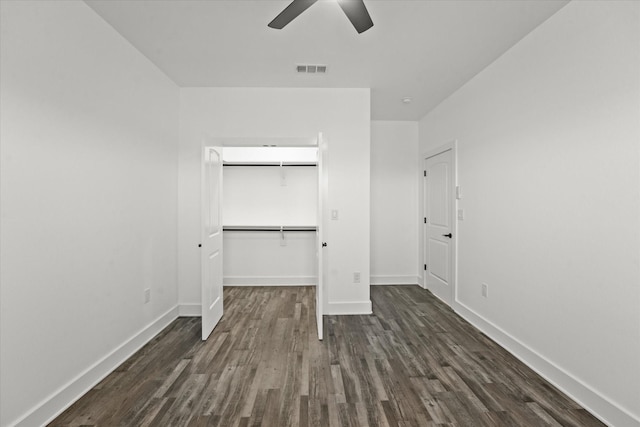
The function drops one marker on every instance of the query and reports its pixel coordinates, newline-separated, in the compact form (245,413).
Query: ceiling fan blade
(357,13)
(295,8)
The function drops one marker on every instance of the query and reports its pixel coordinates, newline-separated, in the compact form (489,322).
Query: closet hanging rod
(268,228)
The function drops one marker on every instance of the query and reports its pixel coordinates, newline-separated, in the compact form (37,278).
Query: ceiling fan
(355,10)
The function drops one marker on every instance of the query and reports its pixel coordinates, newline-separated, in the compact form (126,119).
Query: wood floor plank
(413,363)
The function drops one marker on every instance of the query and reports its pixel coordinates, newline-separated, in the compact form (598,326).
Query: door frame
(320,142)
(453,146)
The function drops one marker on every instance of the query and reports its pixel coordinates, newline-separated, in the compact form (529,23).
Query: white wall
(548,139)
(343,115)
(394,202)
(259,258)
(259,195)
(270,196)
(89,133)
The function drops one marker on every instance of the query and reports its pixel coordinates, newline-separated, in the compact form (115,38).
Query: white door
(438,225)
(211,239)
(321,234)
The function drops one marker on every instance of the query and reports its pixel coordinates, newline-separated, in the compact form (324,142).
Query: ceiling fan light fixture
(355,10)
(357,13)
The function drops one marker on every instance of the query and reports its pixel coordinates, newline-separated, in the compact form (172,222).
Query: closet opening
(271,207)
(269,214)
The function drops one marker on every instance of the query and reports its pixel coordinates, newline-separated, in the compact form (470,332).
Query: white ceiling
(420,49)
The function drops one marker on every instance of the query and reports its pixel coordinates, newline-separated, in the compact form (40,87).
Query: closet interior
(270,215)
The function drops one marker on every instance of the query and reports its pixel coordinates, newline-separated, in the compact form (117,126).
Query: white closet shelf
(269,228)
(269,164)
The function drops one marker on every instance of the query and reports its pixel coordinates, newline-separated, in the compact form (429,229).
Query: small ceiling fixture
(355,10)
(406,100)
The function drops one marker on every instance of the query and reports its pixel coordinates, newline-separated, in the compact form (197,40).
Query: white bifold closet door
(211,298)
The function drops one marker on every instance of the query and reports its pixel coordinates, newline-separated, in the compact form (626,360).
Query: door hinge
(425,267)
(425,173)
(425,219)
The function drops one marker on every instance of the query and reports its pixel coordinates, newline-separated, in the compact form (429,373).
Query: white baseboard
(348,308)
(393,280)
(593,401)
(269,280)
(421,282)
(189,310)
(45,411)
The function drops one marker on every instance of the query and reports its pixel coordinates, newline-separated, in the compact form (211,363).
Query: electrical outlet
(485,290)
(147,295)
(356,277)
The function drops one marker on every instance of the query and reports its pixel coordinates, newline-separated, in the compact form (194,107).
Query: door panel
(439,260)
(211,295)
(438,199)
(438,174)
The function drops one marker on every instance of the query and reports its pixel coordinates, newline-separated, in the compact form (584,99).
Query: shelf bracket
(283,176)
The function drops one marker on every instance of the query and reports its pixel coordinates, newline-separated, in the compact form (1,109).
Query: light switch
(460,214)
(334,214)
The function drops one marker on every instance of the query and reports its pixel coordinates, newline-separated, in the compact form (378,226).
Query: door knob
(448,235)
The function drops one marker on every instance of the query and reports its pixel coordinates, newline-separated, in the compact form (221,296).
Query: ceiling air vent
(311,69)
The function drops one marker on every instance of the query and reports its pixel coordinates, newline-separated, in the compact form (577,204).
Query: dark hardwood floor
(412,363)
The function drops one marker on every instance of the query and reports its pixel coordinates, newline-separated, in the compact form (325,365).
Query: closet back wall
(263,195)
(269,196)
